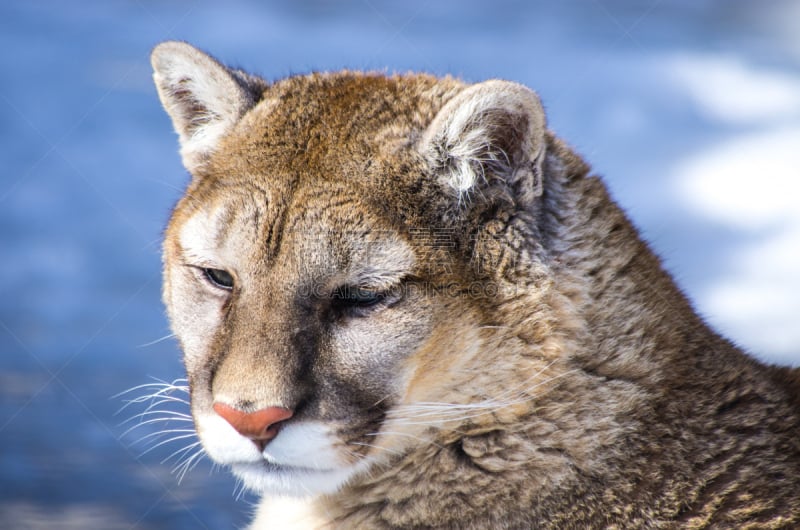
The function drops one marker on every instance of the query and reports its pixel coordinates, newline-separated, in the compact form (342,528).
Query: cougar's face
(316,327)
(298,315)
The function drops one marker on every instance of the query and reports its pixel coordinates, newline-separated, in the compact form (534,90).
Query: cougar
(403,302)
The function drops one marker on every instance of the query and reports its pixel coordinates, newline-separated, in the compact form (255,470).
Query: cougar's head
(325,267)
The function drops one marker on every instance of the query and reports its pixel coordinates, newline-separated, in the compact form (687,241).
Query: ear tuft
(203,97)
(490,132)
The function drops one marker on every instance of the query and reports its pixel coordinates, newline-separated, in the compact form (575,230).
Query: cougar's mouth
(305,457)
(269,478)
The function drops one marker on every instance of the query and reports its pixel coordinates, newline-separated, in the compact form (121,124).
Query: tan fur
(536,367)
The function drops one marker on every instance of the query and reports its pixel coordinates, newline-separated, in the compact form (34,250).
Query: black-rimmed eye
(219,278)
(350,296)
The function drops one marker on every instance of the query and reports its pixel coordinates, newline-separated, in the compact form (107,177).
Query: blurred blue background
(689,108)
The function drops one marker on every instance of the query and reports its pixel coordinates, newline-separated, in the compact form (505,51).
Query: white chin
(301,461)
(270,479)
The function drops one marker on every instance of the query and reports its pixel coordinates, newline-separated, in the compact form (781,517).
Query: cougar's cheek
(308,445)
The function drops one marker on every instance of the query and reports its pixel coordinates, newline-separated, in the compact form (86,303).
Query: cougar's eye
(219,278)
(353,297)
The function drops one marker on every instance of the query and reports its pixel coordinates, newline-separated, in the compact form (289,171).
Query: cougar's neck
(637,319)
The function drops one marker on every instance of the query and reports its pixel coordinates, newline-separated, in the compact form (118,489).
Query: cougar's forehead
(219,231)
(337,232)
(329,127)
(323,229)
(295,174)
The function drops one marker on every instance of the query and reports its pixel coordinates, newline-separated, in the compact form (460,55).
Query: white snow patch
(750,183)
(758,301)
(725,89)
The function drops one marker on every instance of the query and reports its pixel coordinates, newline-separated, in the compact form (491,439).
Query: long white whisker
(164,415)
(197,459)
(155,420)
(172,413)
(174,438)
(188,465)
(167,415)
(183,450)
(187,452)
(452,412)
(151,343)
(187,455)
(174,385)
(407,435)
(492,402)
(158,399)
(162,394)
(165,400)
(162,433)
(238,489)
(393,451)
(523,386)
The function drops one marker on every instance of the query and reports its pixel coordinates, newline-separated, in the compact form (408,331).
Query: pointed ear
(203,97)
(490,134)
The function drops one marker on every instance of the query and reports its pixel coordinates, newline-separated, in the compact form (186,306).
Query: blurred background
(689,108)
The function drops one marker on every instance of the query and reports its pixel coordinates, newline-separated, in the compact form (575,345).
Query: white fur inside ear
(467,140)
(466,155)
(201,96)
(495,126)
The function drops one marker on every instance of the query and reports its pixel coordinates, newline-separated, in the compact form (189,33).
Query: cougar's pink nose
(260,426)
